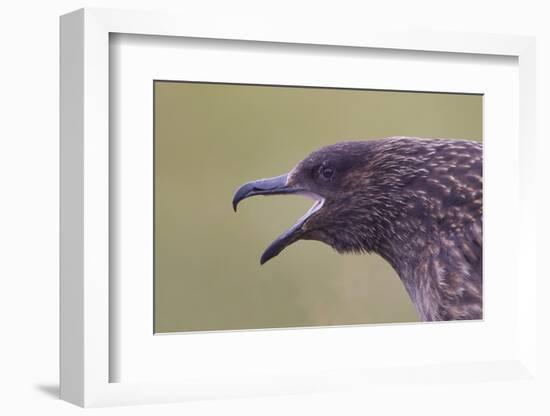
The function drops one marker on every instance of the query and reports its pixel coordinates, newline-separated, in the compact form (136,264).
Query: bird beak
(272,186)
(278,186)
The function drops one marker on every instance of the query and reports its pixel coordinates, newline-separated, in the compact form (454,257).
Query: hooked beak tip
(265,258)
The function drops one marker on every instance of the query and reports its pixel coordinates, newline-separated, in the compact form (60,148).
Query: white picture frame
(87,356)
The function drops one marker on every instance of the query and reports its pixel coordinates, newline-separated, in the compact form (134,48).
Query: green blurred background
(211,138)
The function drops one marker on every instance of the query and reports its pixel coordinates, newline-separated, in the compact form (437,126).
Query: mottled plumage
(415,202)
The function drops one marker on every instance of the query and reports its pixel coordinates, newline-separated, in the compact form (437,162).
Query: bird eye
(326,172)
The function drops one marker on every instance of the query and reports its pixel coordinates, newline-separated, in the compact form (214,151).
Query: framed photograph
(392,163)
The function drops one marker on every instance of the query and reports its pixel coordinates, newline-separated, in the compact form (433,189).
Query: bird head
(351,193)
(415,202)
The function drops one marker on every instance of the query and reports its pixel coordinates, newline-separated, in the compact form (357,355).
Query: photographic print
(373,214)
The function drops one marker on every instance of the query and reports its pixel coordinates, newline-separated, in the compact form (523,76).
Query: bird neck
(440,284)
(413,258)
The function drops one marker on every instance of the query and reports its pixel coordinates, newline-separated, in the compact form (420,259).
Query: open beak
(278,186)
